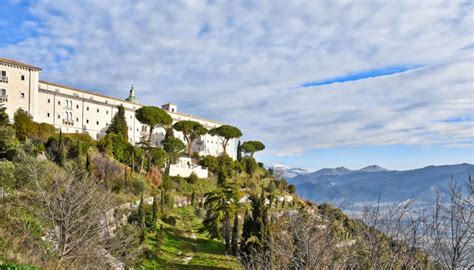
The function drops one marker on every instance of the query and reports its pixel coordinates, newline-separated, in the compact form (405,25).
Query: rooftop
(16,63)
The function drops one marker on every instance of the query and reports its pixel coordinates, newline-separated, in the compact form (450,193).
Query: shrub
(193,178)
(250,165)
(138,185)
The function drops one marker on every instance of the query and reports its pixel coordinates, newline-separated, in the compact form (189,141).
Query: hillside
(352,189)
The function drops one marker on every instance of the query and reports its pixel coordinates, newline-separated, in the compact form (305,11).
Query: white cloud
(240,62)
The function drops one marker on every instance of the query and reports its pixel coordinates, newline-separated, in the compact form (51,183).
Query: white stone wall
(18,88)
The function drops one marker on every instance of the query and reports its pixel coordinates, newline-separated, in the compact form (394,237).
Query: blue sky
(322,83)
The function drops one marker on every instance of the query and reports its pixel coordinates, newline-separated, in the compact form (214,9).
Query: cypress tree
(155,211)
(226,229)
(119,124)
(235,235)
(61,154)
(239,151)
(141,219)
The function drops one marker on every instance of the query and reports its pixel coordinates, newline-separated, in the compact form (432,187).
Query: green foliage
(191,130)
(118,125)
(220,204)
(174,148)
(256,229)
(193,178)
(239,151)
(4,119)
(158,156)
(61,154)
(250,147)
(250,165)
(153,116)
(9,144)
(118,146)
(23,124)
(7,175)
(209,162)
(226,133)
(225,169)
(139,184)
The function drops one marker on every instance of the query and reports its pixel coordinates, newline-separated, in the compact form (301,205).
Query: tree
(74,204)
(23,124)
(9,144)
(209,162)
(153,117)
(235,235)
(220,205)
(174,148)
(191,131)
(4,119)
(119,124)
(239,151)
(256,235)
(61,154)
(250,147)
(225,169)
(225,133)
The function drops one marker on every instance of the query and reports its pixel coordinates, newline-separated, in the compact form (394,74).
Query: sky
(321,83)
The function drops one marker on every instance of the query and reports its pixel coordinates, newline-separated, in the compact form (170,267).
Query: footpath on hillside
(184,247)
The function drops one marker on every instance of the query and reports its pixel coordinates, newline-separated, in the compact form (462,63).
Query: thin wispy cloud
(391,72)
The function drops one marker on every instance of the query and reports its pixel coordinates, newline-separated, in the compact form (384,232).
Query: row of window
(4,75)
(68,105)
(3,92)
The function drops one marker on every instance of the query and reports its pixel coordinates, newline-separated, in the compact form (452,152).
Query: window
(4,73)
(77,106)
(87,121)
(59,102)
(87,108)
(97,122)
(22,95)
(97,136)
(3,92)
(97,110)
(22,77)
(59,116)
(47,114)
(49,100)
(77,119)
(130,117)
(106,112)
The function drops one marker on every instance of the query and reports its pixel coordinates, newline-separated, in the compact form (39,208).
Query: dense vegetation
(66,204)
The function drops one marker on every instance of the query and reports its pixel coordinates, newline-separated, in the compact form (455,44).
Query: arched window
(3,92)
(70,105)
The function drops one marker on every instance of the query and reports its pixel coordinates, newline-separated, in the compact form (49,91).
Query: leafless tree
(452,237)
(74,204)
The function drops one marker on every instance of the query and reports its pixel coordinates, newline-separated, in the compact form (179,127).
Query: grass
(184,247)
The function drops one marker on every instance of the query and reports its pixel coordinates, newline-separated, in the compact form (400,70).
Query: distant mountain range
(353,189)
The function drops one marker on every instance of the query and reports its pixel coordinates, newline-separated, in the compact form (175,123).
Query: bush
(138,185)
(291,189)
(193,178)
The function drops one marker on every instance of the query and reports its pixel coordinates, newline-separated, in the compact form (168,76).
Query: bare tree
(74,205)
(452,235)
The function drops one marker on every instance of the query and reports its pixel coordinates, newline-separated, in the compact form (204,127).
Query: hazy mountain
(355,188)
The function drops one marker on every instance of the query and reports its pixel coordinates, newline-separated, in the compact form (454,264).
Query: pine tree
(239,151)
(119,124)
(235,235)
